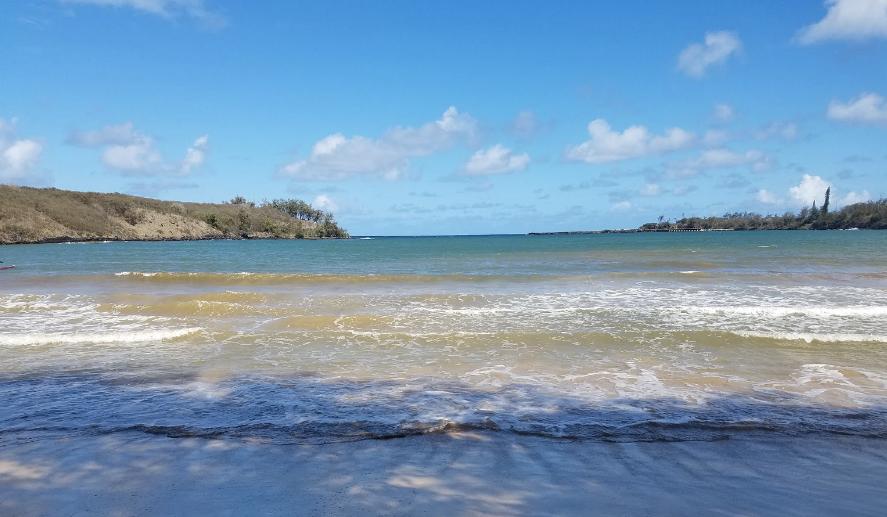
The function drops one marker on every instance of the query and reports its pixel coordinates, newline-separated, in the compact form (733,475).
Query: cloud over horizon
(607,145)
(337,157)
(126,150)
(497,159)
(18,156)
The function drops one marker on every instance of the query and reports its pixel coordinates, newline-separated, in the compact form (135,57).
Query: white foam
(810,337)
(769,311)
(137,336)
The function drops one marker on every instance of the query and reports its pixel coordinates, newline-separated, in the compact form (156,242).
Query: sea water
(621,337)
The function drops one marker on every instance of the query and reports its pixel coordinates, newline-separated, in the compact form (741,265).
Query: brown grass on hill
(30,215)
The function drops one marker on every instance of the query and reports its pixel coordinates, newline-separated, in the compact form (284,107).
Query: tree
(828,194)
(814,212)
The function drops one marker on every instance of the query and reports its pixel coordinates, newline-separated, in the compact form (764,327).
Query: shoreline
(74,240)
(97,240)
(699,230)
(459,473)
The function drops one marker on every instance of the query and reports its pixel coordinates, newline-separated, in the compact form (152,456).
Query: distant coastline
(869,215)
(34,216)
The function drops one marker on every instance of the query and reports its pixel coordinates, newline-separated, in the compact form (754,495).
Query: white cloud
(337,157)
(324,202)
(606,145)
(497,159)
(717,48)
(22,154)
(856,197)
(809,189)
(164,8)
(867,108)
(720,158)
(18,156)
(195,155)
(766,197)
(848,20)
(139,156)
(724,112)
(126,150)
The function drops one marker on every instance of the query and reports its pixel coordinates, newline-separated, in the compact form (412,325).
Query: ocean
(604,338)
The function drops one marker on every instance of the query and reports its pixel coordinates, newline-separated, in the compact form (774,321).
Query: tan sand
(467,474)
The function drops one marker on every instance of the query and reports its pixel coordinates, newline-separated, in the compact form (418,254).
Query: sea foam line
(811,337)
(138,336)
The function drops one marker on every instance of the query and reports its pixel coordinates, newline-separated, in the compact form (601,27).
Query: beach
(734,373)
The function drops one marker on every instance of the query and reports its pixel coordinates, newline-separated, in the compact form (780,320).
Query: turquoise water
(789,252)
(601,337)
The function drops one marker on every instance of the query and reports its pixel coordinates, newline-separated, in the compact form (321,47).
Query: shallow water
(604,337)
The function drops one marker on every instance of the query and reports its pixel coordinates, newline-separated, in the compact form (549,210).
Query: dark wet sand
(458,474)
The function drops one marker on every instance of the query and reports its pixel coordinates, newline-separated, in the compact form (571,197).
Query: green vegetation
(868,215)
(52,215)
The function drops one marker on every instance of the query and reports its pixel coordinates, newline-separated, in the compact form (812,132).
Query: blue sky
(451,117)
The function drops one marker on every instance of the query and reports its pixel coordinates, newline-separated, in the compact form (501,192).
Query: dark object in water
(6,267)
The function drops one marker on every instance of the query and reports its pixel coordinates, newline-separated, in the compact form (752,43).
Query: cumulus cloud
(809,189)
(126,150)
(497,159)
(338,157)
(854,20)
(195,155)
(18,156)
(195,9)
(715,49)
(723,112)
(720,158)
(856,197)
(813,188)
(868,108)
(607,145)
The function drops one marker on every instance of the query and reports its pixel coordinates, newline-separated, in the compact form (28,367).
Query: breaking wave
(136,336)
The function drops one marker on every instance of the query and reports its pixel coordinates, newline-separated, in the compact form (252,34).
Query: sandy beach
(455,474)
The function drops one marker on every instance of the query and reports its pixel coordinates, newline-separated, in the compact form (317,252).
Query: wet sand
(454,474)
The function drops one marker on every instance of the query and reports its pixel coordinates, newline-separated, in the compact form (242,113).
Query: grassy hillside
(50,215)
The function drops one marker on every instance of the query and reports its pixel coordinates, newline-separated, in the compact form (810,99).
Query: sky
(421,118)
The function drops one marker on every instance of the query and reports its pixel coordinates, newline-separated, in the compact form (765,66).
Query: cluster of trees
(867,215)
(323,223)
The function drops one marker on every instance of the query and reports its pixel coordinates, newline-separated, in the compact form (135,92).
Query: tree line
(324,223)
(866,215)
